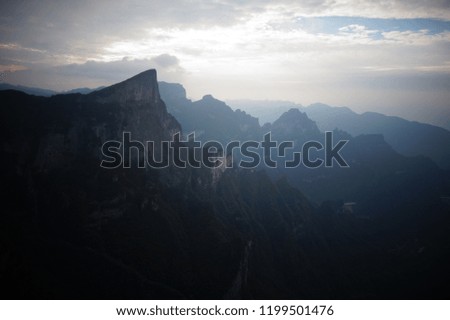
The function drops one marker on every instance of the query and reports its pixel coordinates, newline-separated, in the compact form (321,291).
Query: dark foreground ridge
(72,230)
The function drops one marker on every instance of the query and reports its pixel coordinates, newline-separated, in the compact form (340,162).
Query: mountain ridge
(407,137)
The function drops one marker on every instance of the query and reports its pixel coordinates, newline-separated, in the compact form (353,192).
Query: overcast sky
(387,56)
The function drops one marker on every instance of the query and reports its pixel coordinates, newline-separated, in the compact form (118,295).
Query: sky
(387,56)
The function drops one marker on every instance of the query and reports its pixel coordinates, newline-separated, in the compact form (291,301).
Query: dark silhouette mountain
(407,137)
(71,229)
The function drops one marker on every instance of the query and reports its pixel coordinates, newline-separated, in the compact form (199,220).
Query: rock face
(141,110)
(66,127)
(142,89)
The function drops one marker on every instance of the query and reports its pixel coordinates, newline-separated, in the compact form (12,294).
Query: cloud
(166,61)
(64,32)
(439,9)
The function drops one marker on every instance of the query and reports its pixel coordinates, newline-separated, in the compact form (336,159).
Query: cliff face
(142,88)
(141,112)
(61,129)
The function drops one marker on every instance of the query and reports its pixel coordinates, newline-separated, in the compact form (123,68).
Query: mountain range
(74,230)
(409,138)
(44,92)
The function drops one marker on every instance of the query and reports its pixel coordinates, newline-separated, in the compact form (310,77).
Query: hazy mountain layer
(407,137)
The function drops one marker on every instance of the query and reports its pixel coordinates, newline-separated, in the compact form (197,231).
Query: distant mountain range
(214,120)
(44,92)
(270,110)
(209,118)
(407,137)
(265,110)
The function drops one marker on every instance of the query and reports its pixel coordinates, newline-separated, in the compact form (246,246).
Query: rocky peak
(210,100)
(142,113)
(172,92)
(208,97)
(142,88)
(294,116)
(294,122)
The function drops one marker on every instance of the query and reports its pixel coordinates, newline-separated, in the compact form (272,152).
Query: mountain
(374,168)
(410,138)
(44,92)
(84,90)
(294,124)
(264,110)
(209,118)
(62,212)
(383,201)
(370,155)
(407,137)
(72,229)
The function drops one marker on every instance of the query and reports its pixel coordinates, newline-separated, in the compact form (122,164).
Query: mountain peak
(294,115)
(143,87)
(294,120)
(208,101)
(208,97)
